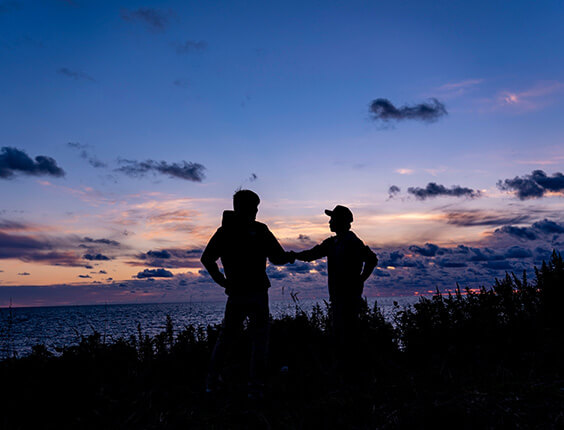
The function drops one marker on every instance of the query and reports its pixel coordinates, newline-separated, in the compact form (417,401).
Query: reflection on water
(64,325)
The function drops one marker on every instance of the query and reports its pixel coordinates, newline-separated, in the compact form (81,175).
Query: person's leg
(232,322)
(344,330)
(259,322)
(351,336)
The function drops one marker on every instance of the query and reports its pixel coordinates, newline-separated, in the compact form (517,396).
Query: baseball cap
(340,212)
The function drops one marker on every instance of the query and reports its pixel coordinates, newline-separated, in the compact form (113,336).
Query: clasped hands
(292,256)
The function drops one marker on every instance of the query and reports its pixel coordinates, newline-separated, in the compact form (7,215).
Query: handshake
(292,256)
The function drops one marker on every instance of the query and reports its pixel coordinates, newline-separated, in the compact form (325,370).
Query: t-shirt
(346,255)
(243,249)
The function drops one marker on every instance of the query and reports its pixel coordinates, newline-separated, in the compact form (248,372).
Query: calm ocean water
(64,325)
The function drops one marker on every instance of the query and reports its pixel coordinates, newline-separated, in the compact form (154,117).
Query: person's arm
(209,259)
(276,254)
(318,251)
(370,262)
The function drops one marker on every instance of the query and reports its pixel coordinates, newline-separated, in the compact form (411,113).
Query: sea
(60,326)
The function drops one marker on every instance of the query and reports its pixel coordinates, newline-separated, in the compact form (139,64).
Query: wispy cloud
(384,110)
(181,83)
(456,89)
(405,171)
(96,257)
(75,74)
(533,98)
(190,46)
(169,258)
(183,170)
(86,155)
(474,218)
(36,249)
(102,241)
(155,20)
(436,190)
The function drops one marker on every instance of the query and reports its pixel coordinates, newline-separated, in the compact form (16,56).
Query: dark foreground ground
(494,359)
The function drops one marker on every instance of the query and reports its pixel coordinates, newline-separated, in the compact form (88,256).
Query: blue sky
(275,97)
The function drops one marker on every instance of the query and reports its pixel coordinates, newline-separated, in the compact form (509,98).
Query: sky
(126,127)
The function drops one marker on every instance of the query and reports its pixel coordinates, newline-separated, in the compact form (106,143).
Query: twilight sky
(126,127)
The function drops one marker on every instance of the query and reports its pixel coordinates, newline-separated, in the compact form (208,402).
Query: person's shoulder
(261,228)
(220,232)
(352,237)
(329,241)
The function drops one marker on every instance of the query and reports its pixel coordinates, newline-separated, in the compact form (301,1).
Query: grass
(492,359)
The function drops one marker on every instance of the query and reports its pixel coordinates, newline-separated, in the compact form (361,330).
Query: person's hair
(245,198)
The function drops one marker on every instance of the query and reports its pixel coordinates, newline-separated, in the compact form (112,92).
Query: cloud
(13,225)
(428,250)
(101,241)
(381,273)
(184,170)
(96,257)
(393,191)
(159,254)
(77,75)
(384,110)
(13,160)
(520,232)
(299,267)
(462,84)
(483,218)
(533,186)
(531,99)
(84,154)
(24,274)
(456,89)
(518,252)
(190,46)
(154,19)
(538,230)
(172,258)
(20,241)
(404,171)
(435,190)
(35,249)
(182,83)
(84,276)
(154,273)
(547,226)
(450,263)
(391,258)
(499,265)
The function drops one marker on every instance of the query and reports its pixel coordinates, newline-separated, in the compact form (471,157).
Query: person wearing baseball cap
(349,264)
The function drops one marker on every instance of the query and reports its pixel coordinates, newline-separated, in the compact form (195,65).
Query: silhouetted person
(349,264)
(243,245)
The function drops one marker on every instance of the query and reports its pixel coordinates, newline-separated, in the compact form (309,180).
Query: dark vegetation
(492,359)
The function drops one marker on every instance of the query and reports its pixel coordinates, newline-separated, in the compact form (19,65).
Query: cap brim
(328,212)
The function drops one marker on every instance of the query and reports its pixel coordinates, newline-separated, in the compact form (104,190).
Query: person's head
(245,204)
(341,219)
